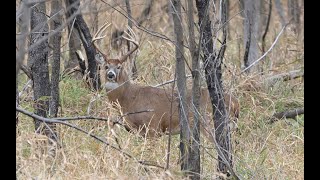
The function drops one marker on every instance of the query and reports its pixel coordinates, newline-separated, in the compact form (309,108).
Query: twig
(170,81)
(25,87)
(273,44)
(48,120)
(100,118)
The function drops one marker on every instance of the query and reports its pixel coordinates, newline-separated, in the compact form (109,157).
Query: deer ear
(99,58)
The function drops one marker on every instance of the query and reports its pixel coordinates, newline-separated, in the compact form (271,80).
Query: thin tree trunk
(24,29)
(145,13)
(56,40)
(39,67)
(266,31)
(85,36)
(228,15)
(17,102)
(94,15)
(251,33)
(214,83)
(74,41)
(181,84)
(194,158)
(280,11)
(294,13)
(133,62)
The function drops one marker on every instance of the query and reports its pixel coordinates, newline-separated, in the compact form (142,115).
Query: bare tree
(213,76)
(251,32)
(86,38)
(56,43)
(24,21)
(133,62)
(145,13)
(181,84)
(38,60)
(294,14)
(280,11)
(194,158)
(17,103)
(266,29)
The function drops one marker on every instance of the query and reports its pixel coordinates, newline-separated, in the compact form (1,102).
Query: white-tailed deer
(136,98)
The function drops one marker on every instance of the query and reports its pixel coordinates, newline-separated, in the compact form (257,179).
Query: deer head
(111,70)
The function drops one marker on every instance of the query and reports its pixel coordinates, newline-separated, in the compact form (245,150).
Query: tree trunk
(17,102)
(266,31)
(85,36)
(251,33)
(24,29)
(94,15)
(132,61)
(280,11)
(294,13)
(214,83)
(181,84)
(56,40)
(39,67)
(194,158)
(145,13)
(74,42)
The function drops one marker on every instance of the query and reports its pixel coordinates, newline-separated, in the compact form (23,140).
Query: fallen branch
(284,77)
(48,120)
(287,114)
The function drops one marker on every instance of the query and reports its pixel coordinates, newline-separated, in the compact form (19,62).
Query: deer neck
(117,91)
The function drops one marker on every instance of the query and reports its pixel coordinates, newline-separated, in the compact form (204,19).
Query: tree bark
(214,83)
(55,75)
(181,84)
(266,30)
(280,11)
(85,36)
(294,13)
(39,67)
(17,102)
(194,158)
(251,33)
(133,62)
(145,13)
(24,21)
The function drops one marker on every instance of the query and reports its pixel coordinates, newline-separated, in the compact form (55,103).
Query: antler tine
(124,57)
(98,36)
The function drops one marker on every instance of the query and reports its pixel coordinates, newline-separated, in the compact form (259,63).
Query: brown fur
(135,98)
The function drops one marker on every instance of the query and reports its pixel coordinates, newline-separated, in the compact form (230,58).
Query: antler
(124,57)
(98,36)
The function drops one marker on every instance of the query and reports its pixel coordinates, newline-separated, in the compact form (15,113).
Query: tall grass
(261,150)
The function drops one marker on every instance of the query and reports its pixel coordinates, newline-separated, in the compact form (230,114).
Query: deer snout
(111,75)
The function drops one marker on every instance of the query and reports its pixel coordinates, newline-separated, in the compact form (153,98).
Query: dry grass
(261,151)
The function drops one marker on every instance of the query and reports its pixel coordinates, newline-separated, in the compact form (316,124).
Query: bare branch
(27,71)
(284,77)
(48,120)
(170,81)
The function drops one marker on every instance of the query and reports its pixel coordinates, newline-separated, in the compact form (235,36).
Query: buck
(137,98)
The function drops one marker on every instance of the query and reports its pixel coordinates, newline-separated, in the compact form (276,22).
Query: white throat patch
(111,85)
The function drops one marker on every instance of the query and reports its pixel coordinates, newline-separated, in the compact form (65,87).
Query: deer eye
(107,67)
(118,67)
